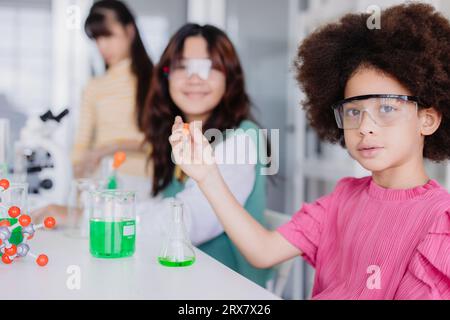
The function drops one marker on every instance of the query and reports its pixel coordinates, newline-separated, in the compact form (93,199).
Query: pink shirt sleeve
(428,274)
(305,228)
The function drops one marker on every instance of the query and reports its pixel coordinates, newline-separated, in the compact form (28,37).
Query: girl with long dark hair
(200,78)
(113,104)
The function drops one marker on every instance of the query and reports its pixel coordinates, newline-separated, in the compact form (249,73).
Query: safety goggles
(384,109)
(186,68)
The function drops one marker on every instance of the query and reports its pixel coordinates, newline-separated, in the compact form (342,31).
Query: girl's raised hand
(191,150)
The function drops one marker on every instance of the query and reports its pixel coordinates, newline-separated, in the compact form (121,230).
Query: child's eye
(387,109)
(352,113)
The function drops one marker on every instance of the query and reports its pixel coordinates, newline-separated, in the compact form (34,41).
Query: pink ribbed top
(367,242)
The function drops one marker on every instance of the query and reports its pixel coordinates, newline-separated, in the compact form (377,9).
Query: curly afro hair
(413,45)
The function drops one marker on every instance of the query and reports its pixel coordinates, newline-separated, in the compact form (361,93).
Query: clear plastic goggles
(186,68)
(384,109)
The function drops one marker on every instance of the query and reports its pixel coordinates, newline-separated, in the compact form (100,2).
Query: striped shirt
(107,117)
(367,242)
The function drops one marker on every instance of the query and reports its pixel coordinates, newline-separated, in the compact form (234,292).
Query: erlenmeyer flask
(177,250)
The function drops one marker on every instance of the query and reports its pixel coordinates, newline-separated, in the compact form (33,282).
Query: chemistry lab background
(46,60)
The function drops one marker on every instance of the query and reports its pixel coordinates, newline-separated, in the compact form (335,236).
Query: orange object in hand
(186,128)
(119,159)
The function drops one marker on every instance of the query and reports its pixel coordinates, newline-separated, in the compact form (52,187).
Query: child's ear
(430,121)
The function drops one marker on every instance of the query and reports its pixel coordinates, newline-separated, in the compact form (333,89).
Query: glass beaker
(177,250)
(78,206)
(112,223)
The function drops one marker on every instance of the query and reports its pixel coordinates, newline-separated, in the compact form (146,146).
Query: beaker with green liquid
(112,223)
(176,250)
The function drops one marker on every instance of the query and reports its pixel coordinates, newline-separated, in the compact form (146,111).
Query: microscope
(41,161)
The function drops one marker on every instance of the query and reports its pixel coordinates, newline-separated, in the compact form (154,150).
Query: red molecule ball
(11,250)
(14,212)
(6,259)
(49,222)
(4,184)
(25,220)
(5,223)
(42,260)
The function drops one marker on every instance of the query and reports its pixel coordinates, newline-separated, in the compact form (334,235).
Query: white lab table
(138,277)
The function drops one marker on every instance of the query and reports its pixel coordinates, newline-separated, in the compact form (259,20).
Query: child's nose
(195,78)
(368,124)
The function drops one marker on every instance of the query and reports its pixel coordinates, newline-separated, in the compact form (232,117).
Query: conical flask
(177,250)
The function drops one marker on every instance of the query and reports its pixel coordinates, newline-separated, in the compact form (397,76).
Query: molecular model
(14,238)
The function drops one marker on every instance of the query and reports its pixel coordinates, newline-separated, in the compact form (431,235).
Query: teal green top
(221,248)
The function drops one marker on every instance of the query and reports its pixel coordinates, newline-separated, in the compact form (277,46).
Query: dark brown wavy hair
(413,46)
(141,64)
(161,111)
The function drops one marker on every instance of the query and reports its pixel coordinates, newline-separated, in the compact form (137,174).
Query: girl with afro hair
(383,94)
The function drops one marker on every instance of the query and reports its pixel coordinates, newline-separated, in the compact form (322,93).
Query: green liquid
(16,235)
(108,239)
(169,263)
(112,183)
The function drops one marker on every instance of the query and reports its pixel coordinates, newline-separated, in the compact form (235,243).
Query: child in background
(113,104)
(199,77)
(385,96)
